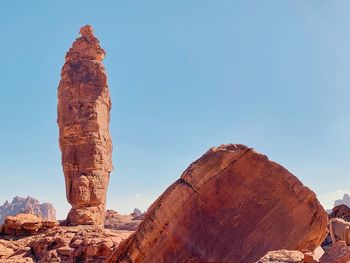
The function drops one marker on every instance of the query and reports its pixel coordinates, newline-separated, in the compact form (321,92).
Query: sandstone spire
(83,119)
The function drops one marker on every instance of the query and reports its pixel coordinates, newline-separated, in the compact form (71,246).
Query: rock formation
(114,220)
(62,244)
(231,205)
(339,230)
(340,211)
(339,253)
(282,256)
(344,201)
(27,205)
(26,225)
(83,119)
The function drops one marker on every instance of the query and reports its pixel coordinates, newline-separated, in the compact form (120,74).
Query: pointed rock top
(86,47)
(86,31)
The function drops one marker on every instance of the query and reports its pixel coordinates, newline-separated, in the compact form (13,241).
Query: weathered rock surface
(27,205)
(231,205)
(313,256)
(339,253)
(339,230)
(340,211)
(282,256)
(83,119)
(116,221)
(26,225)
(62,244)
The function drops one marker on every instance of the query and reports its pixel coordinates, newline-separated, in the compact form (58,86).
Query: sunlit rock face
(231,205)
(83,118)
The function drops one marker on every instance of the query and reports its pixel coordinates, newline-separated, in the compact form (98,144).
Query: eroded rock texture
(231,205)
(83,119)
(339,253)
(26,225)
(62,244)
(340,211)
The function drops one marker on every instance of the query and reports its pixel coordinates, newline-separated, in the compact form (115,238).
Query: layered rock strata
(26,225)
(231,205)
(83,118)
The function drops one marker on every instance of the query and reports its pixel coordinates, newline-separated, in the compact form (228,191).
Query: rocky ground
(23,239)
(233,204)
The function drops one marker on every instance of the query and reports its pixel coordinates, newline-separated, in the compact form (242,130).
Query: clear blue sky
(184,76)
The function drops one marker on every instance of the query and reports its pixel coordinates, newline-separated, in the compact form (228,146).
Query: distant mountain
(27,205)
(344,201)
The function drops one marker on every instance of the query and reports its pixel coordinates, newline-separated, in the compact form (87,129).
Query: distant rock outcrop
(341,211)
(231,205)
(344,201)
(83,118)
(27,205)
(116,221)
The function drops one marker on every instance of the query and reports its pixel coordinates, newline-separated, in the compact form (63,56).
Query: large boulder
(231,205)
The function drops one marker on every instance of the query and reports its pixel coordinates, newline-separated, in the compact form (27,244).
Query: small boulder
(282,256)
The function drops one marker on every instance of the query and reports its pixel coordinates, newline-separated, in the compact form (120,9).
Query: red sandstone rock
(63,244)
(339,230)
(341,211)
(83,119)
(313,256)
(231,205)
(282,256)
(339,253)
(26,225)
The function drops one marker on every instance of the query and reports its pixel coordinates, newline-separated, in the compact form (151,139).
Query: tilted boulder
(231,205)
(83,118)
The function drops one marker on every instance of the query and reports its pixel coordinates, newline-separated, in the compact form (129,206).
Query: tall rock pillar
(83,119)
